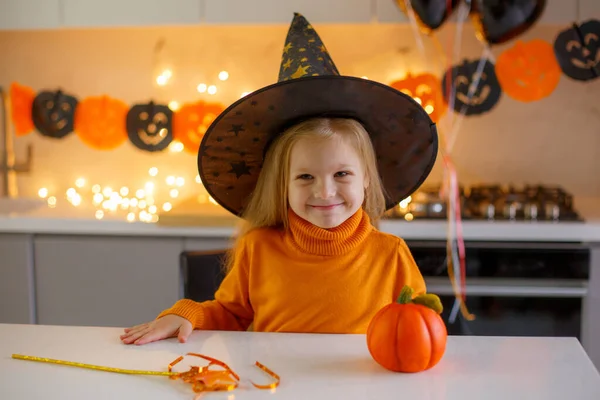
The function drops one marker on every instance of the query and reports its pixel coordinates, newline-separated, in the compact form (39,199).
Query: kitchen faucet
(8,167)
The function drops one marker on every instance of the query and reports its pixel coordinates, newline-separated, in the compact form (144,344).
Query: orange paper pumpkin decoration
(191,122)
(100,122)
(21,99)
(410,335)
(425,89)
(528,71)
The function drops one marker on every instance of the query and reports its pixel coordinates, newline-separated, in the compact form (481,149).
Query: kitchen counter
(310,366)
(80,221)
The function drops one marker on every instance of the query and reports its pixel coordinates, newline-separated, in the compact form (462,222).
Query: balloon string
(486,54)
(463,13)
(415,27)
(455,247)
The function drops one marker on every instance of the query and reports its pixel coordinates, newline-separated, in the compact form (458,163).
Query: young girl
(308,258)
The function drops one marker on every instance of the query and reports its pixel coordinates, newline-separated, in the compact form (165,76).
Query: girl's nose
(324,189)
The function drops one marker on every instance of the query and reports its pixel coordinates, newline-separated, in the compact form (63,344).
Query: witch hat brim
(403,135)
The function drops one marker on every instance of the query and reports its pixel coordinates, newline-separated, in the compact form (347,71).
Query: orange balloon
(100,122)
(528,71)
(21,99)
(191,121)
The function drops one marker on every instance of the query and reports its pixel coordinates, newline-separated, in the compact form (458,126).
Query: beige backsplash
(552,141)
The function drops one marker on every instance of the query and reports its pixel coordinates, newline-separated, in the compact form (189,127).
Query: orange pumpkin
(528,71)
(100,122)
(409,335)
(191,121)
(21,99)
(426,89)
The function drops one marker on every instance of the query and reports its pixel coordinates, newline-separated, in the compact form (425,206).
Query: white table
(311,367)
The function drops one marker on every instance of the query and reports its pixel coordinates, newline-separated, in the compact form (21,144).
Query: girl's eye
(341,174)
(304,176)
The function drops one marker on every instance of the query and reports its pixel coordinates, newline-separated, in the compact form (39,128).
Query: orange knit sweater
(308,279)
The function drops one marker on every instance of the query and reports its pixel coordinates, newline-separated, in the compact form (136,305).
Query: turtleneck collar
(312,239)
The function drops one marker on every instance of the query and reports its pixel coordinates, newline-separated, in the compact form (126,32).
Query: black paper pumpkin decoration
(150,126)
(484,97)
(577,50)
(53,113)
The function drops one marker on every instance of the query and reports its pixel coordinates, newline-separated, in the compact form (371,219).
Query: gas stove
(492,202)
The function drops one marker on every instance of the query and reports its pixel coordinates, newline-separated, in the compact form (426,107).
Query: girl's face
(327,181)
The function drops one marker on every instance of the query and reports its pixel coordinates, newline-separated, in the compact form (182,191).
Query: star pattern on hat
(304,53)
(239,169)
(237,128)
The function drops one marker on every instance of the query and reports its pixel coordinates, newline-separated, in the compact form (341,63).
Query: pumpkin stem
(430,300)
(405,295)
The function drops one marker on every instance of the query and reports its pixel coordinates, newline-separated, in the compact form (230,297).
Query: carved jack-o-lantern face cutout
(191,122)
(578,51)
(21,101)
(485,95)
(426,90)
(528,71)
(149,126)
(100,122)
(53,113)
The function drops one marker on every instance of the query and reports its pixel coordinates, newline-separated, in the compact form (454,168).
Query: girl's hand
(168,326)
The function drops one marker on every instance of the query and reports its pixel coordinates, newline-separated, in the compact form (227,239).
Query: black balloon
(53,113)
(577,50)
(498,21)
(430,14)
(484,97)
(150,126)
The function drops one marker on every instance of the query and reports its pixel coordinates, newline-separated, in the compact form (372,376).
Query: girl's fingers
(135,328)
(133,336)
(151,335)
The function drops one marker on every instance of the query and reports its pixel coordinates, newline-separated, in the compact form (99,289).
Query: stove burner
(492,202)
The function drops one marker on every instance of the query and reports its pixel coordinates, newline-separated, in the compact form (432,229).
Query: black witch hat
(403,135)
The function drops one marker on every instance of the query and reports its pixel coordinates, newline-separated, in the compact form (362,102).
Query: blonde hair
(268,204)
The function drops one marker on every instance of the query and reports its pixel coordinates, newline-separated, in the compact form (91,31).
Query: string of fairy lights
(157,194)
(141,204)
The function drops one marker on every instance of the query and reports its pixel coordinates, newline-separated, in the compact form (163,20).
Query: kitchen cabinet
(29,14)
(16,279)
(114,13)
(278,11)
(105,281)
(205,244)
(591,309)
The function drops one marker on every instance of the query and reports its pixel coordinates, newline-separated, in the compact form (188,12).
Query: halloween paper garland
(53,113)
(150,126)
(22,101)
(100,122)
(473,94)
(192,121)
(105,123)
(527,71)
(577,50)
(426,90)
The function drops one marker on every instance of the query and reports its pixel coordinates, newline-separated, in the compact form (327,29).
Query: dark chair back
(202,273)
